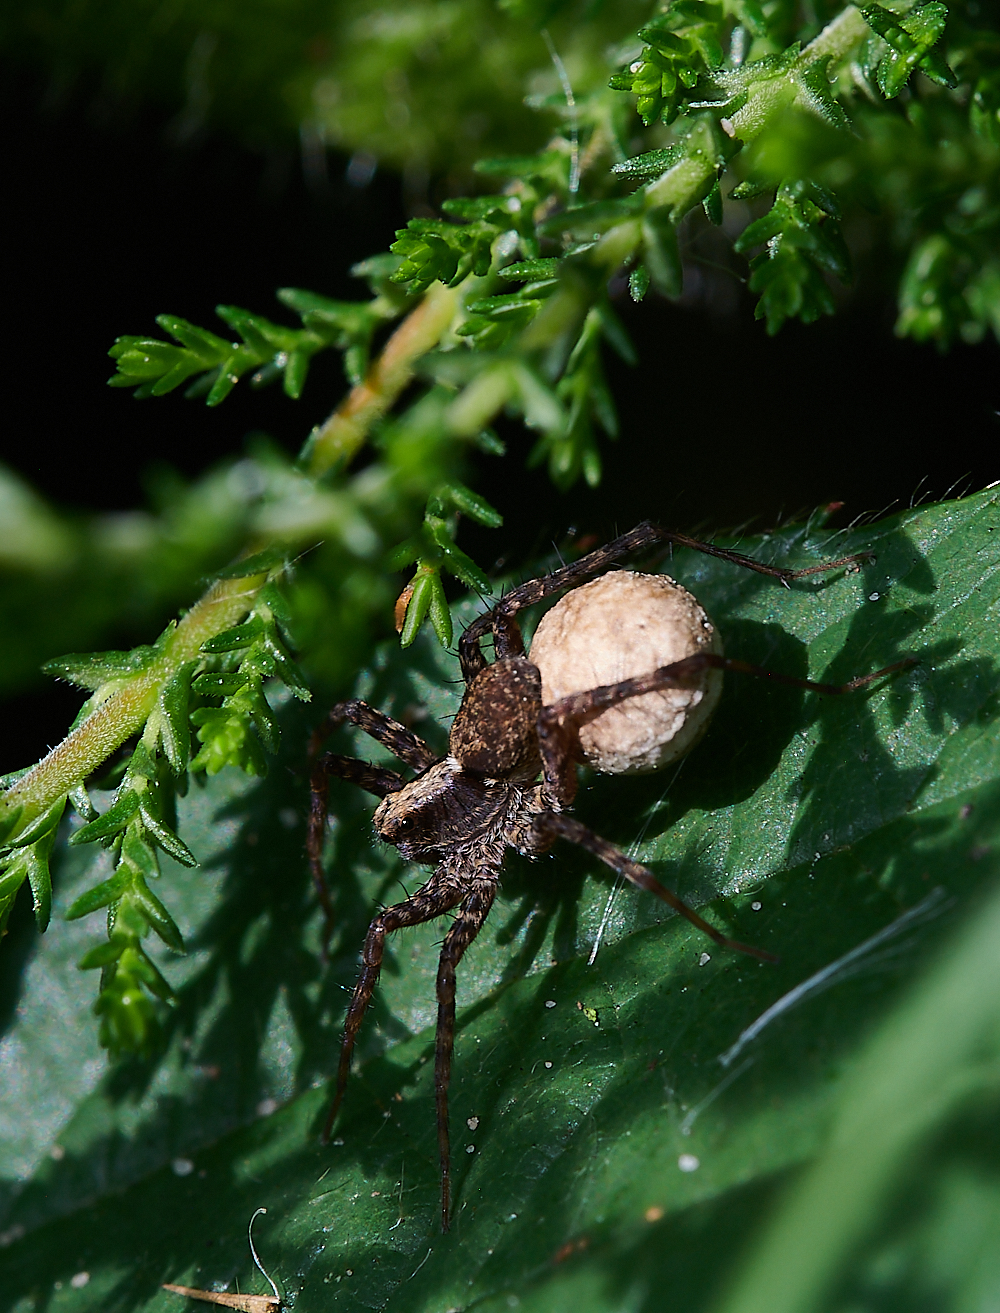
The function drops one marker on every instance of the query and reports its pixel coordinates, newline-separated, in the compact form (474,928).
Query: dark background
(109,224)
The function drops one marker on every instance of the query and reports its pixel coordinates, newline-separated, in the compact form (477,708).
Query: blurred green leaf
(604,1155)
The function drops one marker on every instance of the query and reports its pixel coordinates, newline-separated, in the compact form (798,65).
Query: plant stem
(126,710)
(838,38)
(340,437)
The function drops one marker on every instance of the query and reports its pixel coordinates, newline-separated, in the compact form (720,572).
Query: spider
(506,782)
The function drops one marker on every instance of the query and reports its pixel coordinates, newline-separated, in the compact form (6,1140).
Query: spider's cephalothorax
(510,771)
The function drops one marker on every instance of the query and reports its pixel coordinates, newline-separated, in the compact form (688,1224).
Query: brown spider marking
(509,774)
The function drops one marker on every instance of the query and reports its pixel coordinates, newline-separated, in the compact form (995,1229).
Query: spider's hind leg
(555,825)
(559,723)
(559,744)
(437,896)
(474,910)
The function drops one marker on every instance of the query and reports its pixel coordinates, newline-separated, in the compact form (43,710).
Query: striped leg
(473,912)
(438,895)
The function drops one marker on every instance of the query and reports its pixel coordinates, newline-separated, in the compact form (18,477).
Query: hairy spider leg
(440,894)
(471,915)
(507,636)
(559,723)
(559,744)
(400,741)
(557,825)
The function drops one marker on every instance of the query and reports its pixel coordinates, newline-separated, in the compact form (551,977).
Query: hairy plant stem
(837,39)
(337,440)
(127,709)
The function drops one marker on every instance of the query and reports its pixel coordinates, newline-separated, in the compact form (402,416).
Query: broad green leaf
(605,1156)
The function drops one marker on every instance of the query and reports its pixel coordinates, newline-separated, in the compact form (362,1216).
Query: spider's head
(442,808)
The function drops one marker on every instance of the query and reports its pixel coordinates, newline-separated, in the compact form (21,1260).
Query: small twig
(245,1303)
(128,708)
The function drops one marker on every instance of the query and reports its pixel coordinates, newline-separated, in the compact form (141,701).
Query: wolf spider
(462,811)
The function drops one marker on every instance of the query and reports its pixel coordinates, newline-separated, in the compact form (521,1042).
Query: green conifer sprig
(242,728)
(433,549)
(267,351)
(907,43)
(140,822)
(803,244)
(435,249)
(135,828)
(684,45)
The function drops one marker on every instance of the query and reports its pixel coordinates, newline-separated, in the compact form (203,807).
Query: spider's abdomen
(495,733)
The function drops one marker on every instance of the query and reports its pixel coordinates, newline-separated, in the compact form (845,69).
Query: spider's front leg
(400,741)
(397,738)
(500,619)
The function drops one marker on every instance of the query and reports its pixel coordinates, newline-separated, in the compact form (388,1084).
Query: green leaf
(215,685)
(102,895)
(209,348)
(440,612)
(40,878)
(82,804)
(614,1156)
(102,955)
(259,563)
(661,258)
(530,270)
(469,503)
(166,839)
(650,164)
(175,728)
(40,826)
(92,669)
(115,819)
(638,282)
(139,855)
(160,920)
(419,604)
(286,670)
(454,559)
(232,639)
(12,877)
(712,205)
